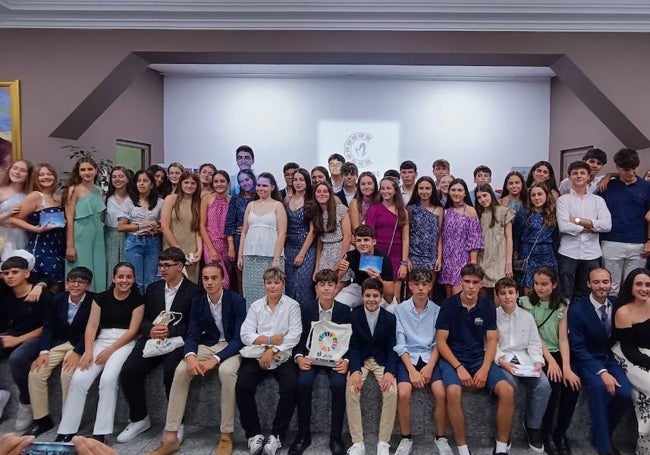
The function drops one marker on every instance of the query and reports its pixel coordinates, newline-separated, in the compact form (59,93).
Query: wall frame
(10,134)
(568,156)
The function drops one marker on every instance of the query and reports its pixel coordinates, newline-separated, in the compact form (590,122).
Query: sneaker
(180,435)
(256,444)
(404,448)
(166,448)
(383,448)
(25,417)
(4,399)
(535,440)
(358,448)
(272,445)
(442,444)
(133,429)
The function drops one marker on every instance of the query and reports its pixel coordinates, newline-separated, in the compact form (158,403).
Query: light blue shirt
(416,332)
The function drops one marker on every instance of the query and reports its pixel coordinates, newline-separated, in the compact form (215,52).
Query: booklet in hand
(52,218)
(368,261)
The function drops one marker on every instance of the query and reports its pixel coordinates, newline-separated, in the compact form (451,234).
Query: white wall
(500,124)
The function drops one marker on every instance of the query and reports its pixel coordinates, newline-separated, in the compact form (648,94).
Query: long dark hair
(625,294)
(467,200)
(75,179)
(119,265)
(323,171)
(556,300)
(486,188)
(195,204)
(165,188)
(152,199)
(524,190)
(415,196)
(400,209)
(309,209)
(275,192)
(127,173)
(375,198)
(551,183)
(250,174)
(548,209)
(319,227)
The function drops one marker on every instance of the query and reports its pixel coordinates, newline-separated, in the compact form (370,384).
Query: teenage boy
(628,200)
(273,322)
(467,342)
(364,241)
(350,173)
(372,352)
(288,170)
(323,308)
(416,348)
(62,341)
(441,168)
(245,159)
(334,163)
(595,159)
(19,339)
(174,293)
(482,174)
(520,346)
(581,216)
(408,173)
(212,342)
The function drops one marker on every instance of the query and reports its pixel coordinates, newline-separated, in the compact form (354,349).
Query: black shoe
(534,437)
(64,437)
(494,452)
(562,443)
(300,444)
(550,447)
(336,446)
(40,426)
(99,437)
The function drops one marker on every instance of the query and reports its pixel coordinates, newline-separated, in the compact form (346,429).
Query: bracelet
(403,263)
(137,226)
(458,366)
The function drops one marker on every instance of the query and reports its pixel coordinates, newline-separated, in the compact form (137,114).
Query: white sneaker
(180,435)
(442,444)
(25,417)
(133,429)
(404,448)
(383,448)
(4,399)
(256,444)
(272,445)
(358,448)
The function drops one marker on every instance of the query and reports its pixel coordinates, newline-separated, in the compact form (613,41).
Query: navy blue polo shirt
(467,329)
(628,205)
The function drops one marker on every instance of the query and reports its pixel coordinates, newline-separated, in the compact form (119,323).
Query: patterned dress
(388,233)
(298,284)
(48,248)
(216,227)
(493,257)
(235,218)
(515,205)
(534,241)
(332,241)
(12,238)
(424,230)
(460,235)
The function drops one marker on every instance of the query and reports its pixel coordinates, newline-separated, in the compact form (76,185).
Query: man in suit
(607,387)
(324,308)
(173,293)
(371,352)
(350,173)
(62,341)
(212,341)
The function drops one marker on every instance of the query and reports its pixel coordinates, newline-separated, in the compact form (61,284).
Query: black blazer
(341,196)
(340,315)
(380,345)
(56,329)
(154,303)
(203,330)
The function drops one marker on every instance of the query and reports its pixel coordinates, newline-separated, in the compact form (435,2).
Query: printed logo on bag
(328,341)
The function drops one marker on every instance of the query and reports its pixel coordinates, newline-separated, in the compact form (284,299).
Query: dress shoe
(336,446)
(64,437)
(562,443)
(300,444)
(550,447)
(40,426)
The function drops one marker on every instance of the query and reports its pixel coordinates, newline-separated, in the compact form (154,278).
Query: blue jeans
(538,391)
(143,252)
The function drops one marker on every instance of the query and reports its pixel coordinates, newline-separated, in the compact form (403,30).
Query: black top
(354,257)
(633,338)
(22,317)
(116,314)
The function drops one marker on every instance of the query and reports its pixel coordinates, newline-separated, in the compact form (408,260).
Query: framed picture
(568,156)
(9,124)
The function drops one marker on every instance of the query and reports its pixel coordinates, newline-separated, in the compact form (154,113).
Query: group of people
(247,267)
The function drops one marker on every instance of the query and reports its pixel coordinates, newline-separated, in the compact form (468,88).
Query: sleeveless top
(262,233)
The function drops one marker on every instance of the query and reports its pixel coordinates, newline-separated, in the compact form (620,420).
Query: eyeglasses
(77,282)
(244,158)
(166,265)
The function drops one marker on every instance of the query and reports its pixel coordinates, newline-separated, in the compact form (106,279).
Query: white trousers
(108,386)
(620,259)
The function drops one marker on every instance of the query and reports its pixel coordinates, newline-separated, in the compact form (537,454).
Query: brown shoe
(225,445)
(166,448)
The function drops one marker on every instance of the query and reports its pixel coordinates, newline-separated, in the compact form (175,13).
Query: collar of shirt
(175,288)
(412,308)
(218,302)
(596,304)
(321,310)
(70,302)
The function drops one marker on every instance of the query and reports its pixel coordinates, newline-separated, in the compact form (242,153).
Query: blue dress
(527,229)
(298,284)
(48,248)
(235,219)
(424,228)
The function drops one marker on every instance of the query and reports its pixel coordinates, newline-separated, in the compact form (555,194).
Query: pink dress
(388,233)
(460,235)
(216,227)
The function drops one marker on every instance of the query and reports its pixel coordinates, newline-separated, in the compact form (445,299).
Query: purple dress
(388,233)
(460,235)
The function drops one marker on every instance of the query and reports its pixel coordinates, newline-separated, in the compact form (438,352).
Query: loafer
(166,448)
(337,447)
(300,444)
(40,426)
(225,445)
(550,447)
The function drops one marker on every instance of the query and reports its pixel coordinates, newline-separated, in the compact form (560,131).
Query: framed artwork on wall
(9,124)
(568,156)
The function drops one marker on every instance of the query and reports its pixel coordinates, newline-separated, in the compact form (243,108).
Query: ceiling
(504,15)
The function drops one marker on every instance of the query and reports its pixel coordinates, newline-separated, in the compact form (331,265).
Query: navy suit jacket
(590,344)
(203,330)
(380,345)
(341,196)
(340,315)
(154,303)
(56,329)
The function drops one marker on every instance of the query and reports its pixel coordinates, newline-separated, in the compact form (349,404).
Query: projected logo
(356,149)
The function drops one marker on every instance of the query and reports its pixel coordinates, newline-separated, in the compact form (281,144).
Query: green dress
(89,238)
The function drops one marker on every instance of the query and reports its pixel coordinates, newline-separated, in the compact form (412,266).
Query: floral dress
(216,227)
(48,248)
(533,241)
(460,235)
(423,233)
(299,285)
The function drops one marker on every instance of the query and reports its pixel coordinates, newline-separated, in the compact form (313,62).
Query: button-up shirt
(261,320)
(170,294)
(416,332)
(518,336)
(74,307)
(325,315)
(215,309)
(574,242)
(596,304)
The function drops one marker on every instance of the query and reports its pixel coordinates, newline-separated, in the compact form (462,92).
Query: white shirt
(74,307)
(215,309)
(518,336)
(574,243)
(170,294)
(592,187)
(260,320)
(372,318)
(597,306)
(325,315)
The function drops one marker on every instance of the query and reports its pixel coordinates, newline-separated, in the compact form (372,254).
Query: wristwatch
(576,220)
(275,349)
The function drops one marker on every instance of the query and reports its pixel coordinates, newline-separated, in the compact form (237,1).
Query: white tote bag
(155,348)
(328,342)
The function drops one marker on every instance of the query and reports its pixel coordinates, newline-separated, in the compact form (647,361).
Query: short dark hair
(482,168)
(578,165)
(215,265)
(505,282)
(15,262)
(290,165)
(627,159)
(420,276)
(172,254)
(408,164)
(392,173)
(337,157)
(363,230)
(472,269)
(372,283)
(349,168)
(245,148)
(80,273)
(440,162)
(325,275)
(596,154)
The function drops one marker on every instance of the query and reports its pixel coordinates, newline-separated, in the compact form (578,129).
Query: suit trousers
(20,362)
(337,389)
(38,389)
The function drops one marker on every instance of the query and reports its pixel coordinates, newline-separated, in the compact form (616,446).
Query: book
(368,261)
(52,218)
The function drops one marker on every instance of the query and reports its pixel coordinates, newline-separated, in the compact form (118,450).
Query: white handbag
(256,351)
(328,342)
(162,346)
